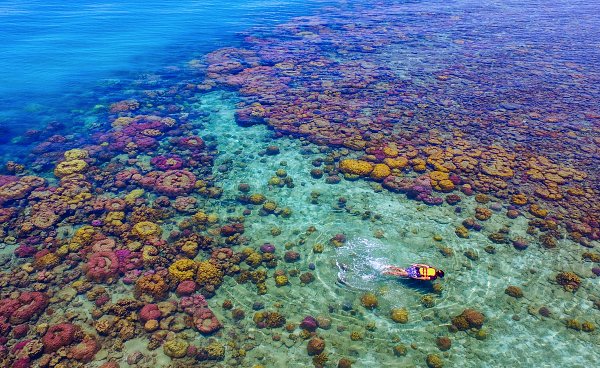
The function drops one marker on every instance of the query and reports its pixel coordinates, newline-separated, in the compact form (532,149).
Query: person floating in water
(416,271)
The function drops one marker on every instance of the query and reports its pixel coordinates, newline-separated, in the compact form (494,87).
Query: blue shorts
(413,272)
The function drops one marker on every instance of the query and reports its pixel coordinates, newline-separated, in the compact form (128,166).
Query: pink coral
(103,245)
(58,336)
(175,182)
(190,304)
(85,350)
(23,308)
(128,260)
(205,321)
(191,143)
(149,311)
(197,307)
(102,266)
(186,287)
(172,162)
(24,251)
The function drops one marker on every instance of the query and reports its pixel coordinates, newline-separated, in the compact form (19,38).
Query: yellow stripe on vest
(428,272)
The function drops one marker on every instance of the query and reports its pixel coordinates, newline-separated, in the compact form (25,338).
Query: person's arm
(421,265)
(393,273)
(395,268)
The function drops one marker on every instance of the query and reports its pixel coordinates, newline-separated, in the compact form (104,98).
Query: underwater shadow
(425,287)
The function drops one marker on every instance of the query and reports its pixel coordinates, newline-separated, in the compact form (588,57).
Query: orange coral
(183,269)
(380,172)
(152,285)
(356,167)
(519,199)
(146,229)
(396,163)
(209,274)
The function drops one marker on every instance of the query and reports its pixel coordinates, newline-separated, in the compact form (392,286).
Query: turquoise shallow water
(221,185)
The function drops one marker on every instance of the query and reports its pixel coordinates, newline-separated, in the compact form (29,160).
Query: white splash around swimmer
(361,262)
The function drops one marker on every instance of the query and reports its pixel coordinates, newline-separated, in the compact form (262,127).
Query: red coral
(190,304)
(175,182)
(191,143)
(58,336)
(205,321)
(149,311)
(171,162)
(85,350)
(20,331)
(232,229)
(5,326)
(102,266)
(186,287)
(29,304)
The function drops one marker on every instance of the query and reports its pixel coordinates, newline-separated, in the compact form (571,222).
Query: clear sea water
(287,152)
(52,52)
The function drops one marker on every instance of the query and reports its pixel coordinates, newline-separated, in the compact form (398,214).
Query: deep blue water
(52,52)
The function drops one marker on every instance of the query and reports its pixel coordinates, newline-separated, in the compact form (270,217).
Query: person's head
(439,273)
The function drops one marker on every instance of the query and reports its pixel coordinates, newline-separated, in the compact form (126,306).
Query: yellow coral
(462,232)
(46,261)
(254,259)
(281,280)
(62,250)
(183,269)
(518,199)
(399,315)
(190,248)
(356,167)
(82,237)
(438,175)
(445,185)
(369,300)
(269,206)
(122,121)
(149,254)
(209,274)
(69,167)
(133,195)
(115,218)
(146,229)
(176,348)
(418,164)
(76,154)
(215,351)
(390,151)
(396,163)
(200,217)
(152,285)
(257,198)
(380,172)
(356,336)
(537,211)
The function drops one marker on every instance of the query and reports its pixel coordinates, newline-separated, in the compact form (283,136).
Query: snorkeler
(416,271)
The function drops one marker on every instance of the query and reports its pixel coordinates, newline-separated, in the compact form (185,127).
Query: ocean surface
(218,184)
(53,52)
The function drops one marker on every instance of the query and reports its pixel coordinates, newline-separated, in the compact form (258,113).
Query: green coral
(176,348)
(281,280)
(400,350)
(215,351)
(434,361)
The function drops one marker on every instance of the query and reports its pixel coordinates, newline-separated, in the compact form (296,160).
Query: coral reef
(568,280)
(469,318)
